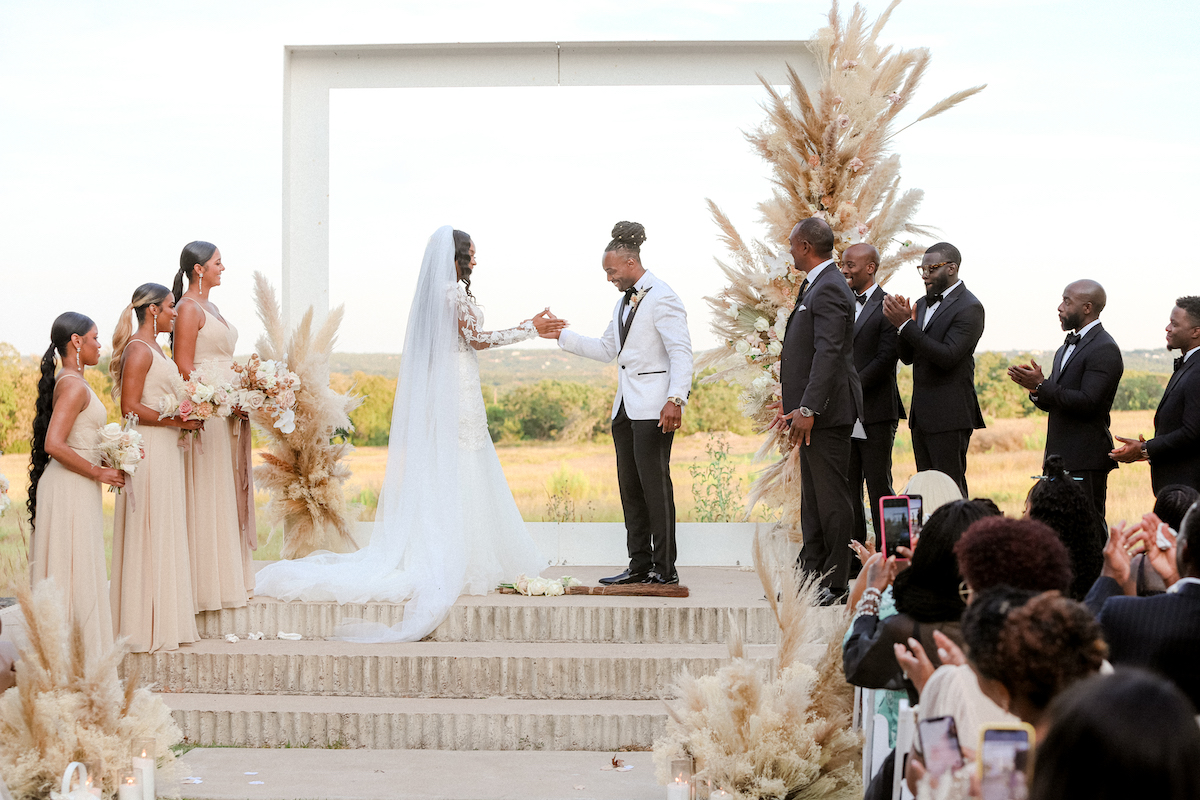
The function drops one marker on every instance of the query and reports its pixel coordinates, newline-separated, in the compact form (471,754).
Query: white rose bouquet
(267,390)
(120,446)
(541,587)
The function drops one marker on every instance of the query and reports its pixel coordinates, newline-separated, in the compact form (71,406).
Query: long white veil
(418,547)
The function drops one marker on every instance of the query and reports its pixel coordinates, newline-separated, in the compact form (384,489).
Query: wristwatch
(676,400)
(806,412)
(1145,451)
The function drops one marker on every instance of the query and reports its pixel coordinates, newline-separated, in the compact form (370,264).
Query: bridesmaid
(151,587)
(64,483)
(219,488)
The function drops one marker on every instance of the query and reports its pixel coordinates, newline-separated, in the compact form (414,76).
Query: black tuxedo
(1161,633)
(945,409)
(1175,449)
(817,372)
(1078,399)
(875,356)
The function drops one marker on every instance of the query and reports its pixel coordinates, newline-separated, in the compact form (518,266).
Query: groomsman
(938,337)
(875,356)
(1174,452)
(821,401)
(1079,393)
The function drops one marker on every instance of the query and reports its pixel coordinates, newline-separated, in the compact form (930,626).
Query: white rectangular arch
(309,72)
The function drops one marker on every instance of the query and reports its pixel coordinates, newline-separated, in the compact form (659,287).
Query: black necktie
(1178,363)
(1072,338)
(861,299)
(930,299)
(803,289)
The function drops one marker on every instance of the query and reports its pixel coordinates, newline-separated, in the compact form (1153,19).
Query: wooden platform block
(624,590)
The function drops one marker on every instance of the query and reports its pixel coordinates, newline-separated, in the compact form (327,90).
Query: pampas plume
(66,707)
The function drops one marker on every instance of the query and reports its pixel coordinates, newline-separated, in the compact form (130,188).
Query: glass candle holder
(681,786)
(129,785)
(145,759)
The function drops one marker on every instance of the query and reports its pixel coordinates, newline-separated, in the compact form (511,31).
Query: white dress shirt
(930,311)
(858,307)
(1071,347)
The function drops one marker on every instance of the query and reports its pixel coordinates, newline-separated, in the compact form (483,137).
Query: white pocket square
(801,307)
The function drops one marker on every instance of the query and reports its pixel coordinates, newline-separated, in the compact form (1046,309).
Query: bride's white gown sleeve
(446,523)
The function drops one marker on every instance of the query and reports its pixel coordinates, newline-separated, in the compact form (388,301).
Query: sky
(128,129)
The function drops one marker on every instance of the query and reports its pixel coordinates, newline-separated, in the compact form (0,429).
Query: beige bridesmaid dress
(151,587)
(220,541)
(68,535)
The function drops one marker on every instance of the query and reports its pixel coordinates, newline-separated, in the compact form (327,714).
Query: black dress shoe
(831,597)
(656,577)
(627,577)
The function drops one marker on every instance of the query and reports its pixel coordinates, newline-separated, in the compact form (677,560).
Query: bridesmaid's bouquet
(268,389)
(120,446)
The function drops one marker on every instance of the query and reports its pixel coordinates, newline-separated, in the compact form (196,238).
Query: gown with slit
(68,534)
(495,545)
(222,565)
(151,588)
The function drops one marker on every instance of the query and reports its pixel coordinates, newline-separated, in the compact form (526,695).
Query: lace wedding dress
(446,523)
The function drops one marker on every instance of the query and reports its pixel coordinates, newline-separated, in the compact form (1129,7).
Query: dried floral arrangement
(831,158)
(67,708)
(788,735)
(303,468)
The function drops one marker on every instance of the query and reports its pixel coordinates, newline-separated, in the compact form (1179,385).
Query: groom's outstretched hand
(547,325)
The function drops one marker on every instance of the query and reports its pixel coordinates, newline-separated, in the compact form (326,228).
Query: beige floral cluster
(267,390)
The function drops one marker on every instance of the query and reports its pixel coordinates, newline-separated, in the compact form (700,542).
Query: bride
(446,523)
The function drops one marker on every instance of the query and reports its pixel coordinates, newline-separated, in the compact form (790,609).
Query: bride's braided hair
(627,237)
(462,258)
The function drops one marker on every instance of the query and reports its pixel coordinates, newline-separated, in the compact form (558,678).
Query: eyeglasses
(964,592)
(932,268)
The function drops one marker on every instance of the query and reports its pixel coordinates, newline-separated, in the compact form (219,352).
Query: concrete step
(227,773)
(417,724)
(514,618)
(432,669)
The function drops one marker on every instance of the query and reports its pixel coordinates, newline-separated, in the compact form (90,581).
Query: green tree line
(555,410)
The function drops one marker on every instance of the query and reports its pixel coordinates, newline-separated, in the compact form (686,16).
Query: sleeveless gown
(151,586)
(222,569)
(68,535)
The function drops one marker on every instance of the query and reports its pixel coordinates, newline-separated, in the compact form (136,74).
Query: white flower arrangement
(637,297)
(5,502)
(267,390)
(120,446)
(541,587)
(200,397)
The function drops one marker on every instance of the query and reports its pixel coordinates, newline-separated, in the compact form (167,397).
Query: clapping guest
(64,482)
(1115,737)
(219,489)
(151,587)
(1170,506)
(1063,504)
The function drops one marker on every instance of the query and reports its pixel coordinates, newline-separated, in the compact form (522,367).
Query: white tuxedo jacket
(656,361)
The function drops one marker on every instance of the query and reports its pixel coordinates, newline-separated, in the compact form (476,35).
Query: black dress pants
(647,496)
(1095,486)
(826,508)
(945,451)
(871,462)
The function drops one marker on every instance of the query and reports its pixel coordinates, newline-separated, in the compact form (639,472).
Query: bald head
(1082,302)
(859,264)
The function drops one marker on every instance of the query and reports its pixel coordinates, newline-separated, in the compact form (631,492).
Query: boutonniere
(637,297)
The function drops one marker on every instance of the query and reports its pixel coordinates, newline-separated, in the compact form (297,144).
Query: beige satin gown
(151,586)
(222,562)
(68,534)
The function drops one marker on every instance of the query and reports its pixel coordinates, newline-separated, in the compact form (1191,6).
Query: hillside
(502,367)
(1156,361)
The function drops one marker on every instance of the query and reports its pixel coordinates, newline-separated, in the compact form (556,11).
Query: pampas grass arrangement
(67,708)
(830,153)
(303,470)
(788,736)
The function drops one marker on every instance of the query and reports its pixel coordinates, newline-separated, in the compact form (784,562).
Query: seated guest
(935,488)
(1169,507)
(1161,633)
(1022,553)
(1061,503)
(1120,736)
(926,598)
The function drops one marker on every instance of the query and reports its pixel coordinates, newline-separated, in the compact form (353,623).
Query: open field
(1003,458)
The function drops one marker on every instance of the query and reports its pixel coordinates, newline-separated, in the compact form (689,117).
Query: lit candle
(720,794)
(129,788)
(679,790)
(90,787)
(143,759)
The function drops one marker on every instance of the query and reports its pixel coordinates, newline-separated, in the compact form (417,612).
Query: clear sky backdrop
(130,128)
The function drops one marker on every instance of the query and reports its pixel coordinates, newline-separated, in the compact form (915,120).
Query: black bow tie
(630,292)
(861,299)
(1177,364)
(1072,338)
(930,299)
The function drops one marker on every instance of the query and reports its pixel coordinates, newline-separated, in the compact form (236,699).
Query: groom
(649,338)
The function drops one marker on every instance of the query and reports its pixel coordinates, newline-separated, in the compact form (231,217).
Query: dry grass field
(1003,459)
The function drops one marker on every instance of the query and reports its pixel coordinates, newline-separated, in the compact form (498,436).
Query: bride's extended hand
(547,325)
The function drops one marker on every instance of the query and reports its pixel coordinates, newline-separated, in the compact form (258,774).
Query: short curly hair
(1045,646)
(1062,504)
(1022,553)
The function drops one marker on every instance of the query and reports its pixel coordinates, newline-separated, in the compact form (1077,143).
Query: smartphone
(939,743)
(896,524)
(916,516)
(1004,761)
